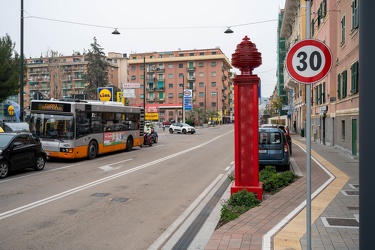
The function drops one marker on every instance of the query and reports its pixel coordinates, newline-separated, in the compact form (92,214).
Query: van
(15,127)
(273,149)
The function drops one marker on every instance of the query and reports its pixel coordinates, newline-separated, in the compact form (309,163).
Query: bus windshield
(52,126)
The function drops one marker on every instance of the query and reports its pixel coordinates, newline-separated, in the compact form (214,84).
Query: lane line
(290,226)
(100,181)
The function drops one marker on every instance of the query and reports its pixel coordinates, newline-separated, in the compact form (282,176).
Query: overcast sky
(145,26)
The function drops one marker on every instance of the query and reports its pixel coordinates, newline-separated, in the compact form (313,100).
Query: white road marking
(100,181)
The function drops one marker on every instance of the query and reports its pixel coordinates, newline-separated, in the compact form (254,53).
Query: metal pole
(21,66)
(144,83)
(308,141)
(217,105)
(183,98)
(366,128)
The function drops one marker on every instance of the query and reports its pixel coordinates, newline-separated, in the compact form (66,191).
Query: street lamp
(217,103)
(144,83)
(21,66)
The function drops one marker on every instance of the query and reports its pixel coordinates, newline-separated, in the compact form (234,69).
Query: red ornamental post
(246,84)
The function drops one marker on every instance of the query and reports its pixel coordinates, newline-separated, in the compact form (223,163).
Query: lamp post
(21,65)
(144,83)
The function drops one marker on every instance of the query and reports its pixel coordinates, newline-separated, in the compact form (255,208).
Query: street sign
(131,85)
(308,61)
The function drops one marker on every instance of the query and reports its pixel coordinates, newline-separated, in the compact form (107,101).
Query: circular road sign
(309,61)
(11,110)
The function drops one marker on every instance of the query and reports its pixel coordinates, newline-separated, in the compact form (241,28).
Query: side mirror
(17,143)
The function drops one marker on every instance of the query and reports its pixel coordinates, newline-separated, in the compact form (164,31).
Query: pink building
(166,74)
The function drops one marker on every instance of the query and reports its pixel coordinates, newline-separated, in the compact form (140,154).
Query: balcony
(191,78)
(159,89)
(190,68)
(150,89)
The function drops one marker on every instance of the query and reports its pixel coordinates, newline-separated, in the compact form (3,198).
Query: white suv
(181,128)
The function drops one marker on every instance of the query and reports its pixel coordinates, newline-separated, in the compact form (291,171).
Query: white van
(16,127)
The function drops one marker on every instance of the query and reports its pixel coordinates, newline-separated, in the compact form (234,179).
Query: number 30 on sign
(308,61)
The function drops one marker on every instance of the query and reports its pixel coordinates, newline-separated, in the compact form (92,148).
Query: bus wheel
(129,144)
(93,150)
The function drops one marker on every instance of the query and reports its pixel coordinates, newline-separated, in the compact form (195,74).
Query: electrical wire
(147,28)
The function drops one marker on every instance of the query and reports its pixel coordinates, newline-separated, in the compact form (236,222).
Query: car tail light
(286,147)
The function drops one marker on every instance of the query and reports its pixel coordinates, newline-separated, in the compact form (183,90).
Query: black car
(19,151)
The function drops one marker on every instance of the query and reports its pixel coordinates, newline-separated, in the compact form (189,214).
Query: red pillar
(246,84)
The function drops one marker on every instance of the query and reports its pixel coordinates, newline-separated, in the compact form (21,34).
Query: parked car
(181,128)
(19,151)
(284,129)
(166,123)
(273,149)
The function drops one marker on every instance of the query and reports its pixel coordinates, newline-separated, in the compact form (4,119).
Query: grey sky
(164,25)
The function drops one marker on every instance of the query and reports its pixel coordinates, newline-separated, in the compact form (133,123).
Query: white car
(181,128)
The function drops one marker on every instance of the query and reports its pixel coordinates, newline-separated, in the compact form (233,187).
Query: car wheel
(184,131)
(129,144)
(4,169)
(40,163)
(92,150)
(171,130)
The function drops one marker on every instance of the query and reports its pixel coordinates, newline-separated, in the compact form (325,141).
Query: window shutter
(338,86)
(344,84)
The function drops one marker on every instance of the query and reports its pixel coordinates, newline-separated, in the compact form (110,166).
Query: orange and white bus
(73,129)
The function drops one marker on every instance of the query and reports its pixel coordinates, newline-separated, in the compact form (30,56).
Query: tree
(96,73)
(55,69)
(9,69)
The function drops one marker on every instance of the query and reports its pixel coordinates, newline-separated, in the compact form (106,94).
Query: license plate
(262,151)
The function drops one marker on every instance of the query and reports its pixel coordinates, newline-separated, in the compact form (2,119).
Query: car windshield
(5,139)
(52,126)
(185,125)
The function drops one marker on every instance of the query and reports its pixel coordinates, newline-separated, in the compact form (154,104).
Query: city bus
(72,129)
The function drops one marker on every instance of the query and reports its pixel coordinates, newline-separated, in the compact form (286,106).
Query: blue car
(273,149)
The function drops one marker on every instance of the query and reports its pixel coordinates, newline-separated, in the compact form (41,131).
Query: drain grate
(354,186)
(353,208)
(350,192)
(340,222)
(100,194)
(120,199)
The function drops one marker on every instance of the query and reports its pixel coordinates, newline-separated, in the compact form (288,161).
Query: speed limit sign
(309,61)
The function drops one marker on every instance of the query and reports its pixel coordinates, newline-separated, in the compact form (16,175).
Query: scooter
(147,139)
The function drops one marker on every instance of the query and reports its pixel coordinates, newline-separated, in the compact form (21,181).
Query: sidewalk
(280,220)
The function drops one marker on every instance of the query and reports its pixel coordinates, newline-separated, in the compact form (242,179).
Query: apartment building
(334,99)
(164,76)
(60,76)
(293,30)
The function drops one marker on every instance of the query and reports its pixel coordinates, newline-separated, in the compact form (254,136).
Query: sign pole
(183,98)
(308,140)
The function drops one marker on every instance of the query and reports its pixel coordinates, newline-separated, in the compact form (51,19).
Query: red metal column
(246,58)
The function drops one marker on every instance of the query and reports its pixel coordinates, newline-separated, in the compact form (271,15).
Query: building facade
(335,99)
(60,76)
(164,75)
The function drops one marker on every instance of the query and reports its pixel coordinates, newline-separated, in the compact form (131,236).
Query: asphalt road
(125,200)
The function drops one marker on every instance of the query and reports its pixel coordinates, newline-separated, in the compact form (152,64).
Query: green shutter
(338,86)
(324,92)
(344,83)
